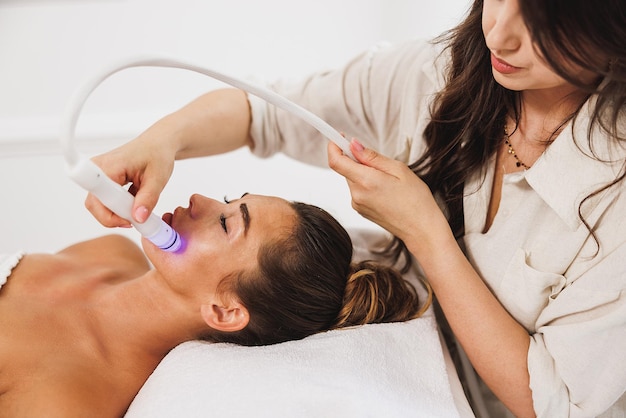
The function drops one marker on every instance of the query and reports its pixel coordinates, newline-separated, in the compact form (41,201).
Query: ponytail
(376,293)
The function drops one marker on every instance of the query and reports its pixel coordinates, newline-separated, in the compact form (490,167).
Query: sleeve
(364,99)
(576,357)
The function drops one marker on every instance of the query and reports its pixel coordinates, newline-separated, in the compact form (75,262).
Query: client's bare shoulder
(78,268)
(108,250)
(110,258)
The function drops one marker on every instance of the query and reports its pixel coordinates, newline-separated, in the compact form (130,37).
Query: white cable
(270,96)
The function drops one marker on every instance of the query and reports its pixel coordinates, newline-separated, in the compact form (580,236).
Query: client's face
(220,238)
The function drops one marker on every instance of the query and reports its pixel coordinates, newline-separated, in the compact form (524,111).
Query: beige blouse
(538,258)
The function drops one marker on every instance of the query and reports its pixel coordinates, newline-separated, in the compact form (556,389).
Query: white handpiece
(91,178)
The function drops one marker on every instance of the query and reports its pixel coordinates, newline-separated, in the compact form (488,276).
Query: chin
(151,251)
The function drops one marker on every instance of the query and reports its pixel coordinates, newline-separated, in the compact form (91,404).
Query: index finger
(103,214)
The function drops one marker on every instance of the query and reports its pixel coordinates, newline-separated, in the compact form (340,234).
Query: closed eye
(223,222)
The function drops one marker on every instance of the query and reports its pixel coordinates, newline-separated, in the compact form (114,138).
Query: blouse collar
(568,172)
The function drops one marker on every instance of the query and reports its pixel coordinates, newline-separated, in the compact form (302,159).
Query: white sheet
(374,370)
(7,263)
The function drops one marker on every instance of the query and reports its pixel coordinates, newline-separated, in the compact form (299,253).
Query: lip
(168,218)
(502,66)
(171,217)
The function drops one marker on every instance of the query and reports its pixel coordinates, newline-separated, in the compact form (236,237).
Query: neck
(144,316)
(544,111)
(543,115)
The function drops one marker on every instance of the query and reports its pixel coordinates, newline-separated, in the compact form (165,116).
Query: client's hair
(306,283)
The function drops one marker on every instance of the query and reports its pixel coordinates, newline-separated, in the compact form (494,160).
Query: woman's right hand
(214,123)
(388,193)
(147,165)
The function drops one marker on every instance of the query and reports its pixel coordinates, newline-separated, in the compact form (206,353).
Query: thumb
(369,157)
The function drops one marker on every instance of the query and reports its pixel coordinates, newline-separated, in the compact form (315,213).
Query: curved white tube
(89,176)
(277,100)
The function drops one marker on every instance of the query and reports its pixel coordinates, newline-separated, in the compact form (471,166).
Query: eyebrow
(245,215)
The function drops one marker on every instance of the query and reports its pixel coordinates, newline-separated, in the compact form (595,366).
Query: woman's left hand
(388,193)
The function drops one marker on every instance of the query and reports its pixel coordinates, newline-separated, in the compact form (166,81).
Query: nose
(199,204)
(505,28)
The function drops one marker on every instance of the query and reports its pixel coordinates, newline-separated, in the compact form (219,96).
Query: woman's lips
(171,217)
(167,218)
(501,66)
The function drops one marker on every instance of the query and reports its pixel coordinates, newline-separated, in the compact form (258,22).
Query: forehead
(270,211)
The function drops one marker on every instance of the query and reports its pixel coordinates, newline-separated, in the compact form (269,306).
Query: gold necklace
(507,141)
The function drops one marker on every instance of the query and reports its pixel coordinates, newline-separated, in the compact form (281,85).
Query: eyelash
(227,200)
(222,217)
(223,222)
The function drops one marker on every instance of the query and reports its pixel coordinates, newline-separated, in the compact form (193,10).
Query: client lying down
(83,329)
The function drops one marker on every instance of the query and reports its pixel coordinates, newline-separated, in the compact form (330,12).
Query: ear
(227,318)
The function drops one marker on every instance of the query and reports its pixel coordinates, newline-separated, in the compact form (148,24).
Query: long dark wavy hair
(469,114)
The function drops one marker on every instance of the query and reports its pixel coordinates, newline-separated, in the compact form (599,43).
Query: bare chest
(52,391)
(46,369)
(52,362)
(59,375)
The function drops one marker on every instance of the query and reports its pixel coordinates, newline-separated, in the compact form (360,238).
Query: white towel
(7,263)
(378,370)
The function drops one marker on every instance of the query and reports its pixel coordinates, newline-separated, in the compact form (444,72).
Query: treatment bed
(376,370)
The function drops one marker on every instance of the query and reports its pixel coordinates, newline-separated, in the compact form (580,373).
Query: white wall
(48,48)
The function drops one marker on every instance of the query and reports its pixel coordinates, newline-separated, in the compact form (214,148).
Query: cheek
(219,258)
(488,17)
(540,68)
(206,252)
(487,24)
(545,76)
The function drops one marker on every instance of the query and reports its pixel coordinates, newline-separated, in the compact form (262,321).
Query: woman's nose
(197,202)
(507,28)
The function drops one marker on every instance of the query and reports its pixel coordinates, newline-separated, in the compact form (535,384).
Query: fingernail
(141,214)
(357,145)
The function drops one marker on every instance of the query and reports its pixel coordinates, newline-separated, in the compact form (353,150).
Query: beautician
(496,158)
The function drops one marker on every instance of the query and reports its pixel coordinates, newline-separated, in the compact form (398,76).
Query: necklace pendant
(510,150)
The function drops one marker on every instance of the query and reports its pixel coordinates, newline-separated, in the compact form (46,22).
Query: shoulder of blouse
(375,97)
